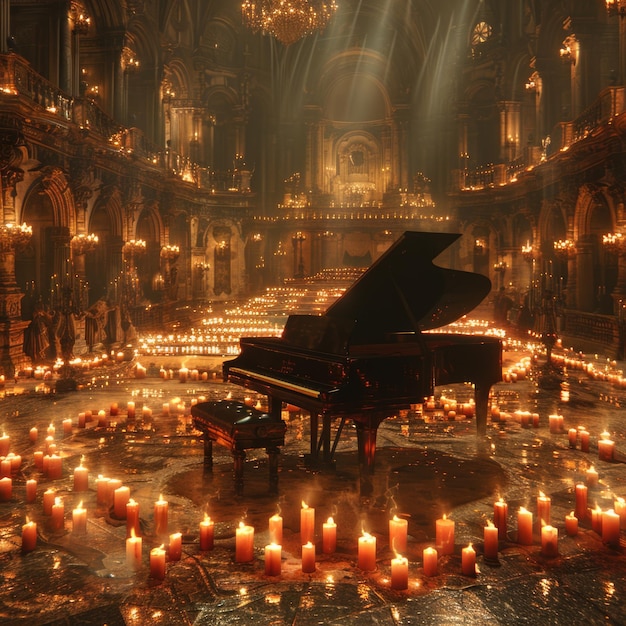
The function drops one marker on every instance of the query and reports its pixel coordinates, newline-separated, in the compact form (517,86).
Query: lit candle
(29,536)
(592,477)
(273,556)
(51,430)
(596,519)
(6,489)
(398,531)
(572,435)
(175,547)
(276,529)
(429,557)
(114,409)
(31,490)
(101,489)
(5,444)
(571,524)
(244,543)
(399,572)
(79,519)
(49,496)
(81,478)
(111,486)
(67,426)
(103,422)
(549,540)
(130,410)
(580,508)
(500,517)
(444,535)
(367,552)
(610,527)
(206,533)
(584,440)
(606,448)
(490,534)
(38,459)
(132,518)
(555,422)
(619,506)
(121,496)
(307,524)
(524,527)
(33,434)
(468,561)
(55,467)
(160,516)
(133,551)
(543,508)
(329,536)
(157,563)
(57,521)
(308,558)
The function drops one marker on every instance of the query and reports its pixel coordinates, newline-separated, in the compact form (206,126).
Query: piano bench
(239,427)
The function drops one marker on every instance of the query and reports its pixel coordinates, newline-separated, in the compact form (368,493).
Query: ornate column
(12,327)
(169,256)
(585,296)
(5,25)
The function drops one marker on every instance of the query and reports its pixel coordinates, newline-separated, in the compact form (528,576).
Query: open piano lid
(405,292)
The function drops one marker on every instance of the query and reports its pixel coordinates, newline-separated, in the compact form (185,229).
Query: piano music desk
(239,427)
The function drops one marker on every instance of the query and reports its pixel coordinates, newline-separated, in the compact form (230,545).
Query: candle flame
(591,469)
(304,505)
(58,501)
(132,533)
(572,514)
(366,535)
(308,545)
(242,525)
(397,519)
(80,505)
(207,518)
(541,494)
(490,524)
(330,520)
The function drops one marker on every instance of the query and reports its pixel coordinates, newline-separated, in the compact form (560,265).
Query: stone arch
(150,228)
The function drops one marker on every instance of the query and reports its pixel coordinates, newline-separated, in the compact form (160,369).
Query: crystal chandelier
(287,20)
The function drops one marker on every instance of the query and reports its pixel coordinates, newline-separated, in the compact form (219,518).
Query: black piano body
(368,356)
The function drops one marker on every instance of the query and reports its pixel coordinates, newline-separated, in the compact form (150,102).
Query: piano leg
(272,454)
(239,457)
(208,454)
(366,441)
(481,399)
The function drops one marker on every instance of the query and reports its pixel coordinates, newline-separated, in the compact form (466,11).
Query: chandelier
(287,20)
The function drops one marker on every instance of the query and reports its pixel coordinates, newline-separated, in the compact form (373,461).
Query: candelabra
(134,247)
(613,242)
(15,236)
(528,252)
(170,253)
(616,7)
(564,247)
(82,244)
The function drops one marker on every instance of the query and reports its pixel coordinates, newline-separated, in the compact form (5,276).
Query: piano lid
(405,292)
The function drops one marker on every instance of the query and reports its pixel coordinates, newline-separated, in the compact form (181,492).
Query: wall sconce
(81,20)
(615,7)
(567,51)
(129,60)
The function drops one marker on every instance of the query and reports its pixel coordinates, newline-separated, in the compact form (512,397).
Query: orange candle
(101,489)
(398,531)
(276,529)
(160,516)
(571,524)
(490,534)
(596,519)
(55,467)
(31,490)
(157,563)
(572,435)
(430,561)
(29,536)
(244,543)
(584,440)
(307,524)
(592,477)
(48,500)
(81,478)
(444,535)
(206,533)
(33,434)
(57,521)
(367,552)
(580,508)
(130,410)
(132,518)
(308,558)
(329,536)
(468,561)
(500,517)
(6,489)
(399,573)
(133,551)
(619,506)
(524,527)
(610,527)
(175,547)
(543,508)
(79,519)
(273,556)
(606,448)
(5,444)
(549,540)
(121,497)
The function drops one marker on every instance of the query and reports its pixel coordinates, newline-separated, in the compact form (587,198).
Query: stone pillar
(5,25)
(12,327)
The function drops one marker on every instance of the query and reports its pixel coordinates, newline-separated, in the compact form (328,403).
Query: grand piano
(368,356)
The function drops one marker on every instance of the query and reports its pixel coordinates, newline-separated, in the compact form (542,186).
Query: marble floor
(428,465)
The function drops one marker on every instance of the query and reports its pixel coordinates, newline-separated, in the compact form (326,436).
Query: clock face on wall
(480,33)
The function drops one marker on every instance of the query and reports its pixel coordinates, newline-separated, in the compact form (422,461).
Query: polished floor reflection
(429,464)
